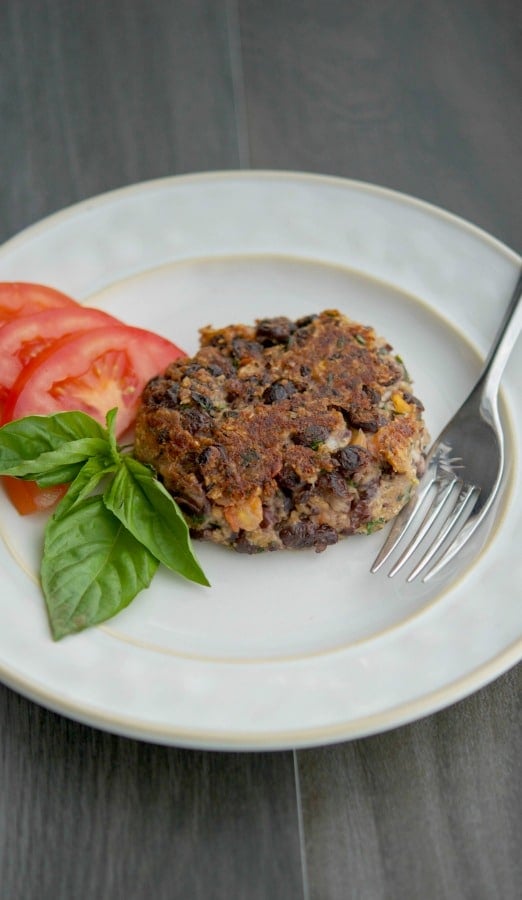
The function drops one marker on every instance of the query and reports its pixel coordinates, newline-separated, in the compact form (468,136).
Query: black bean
(306,534)
(311,436)
(325,536)
(243,545)
(360,514)
(214,370)
(274,331)
(288,479)
(194,420)
(299,338)
(161,392)
(215,452)
(305,320)
(163,436)
(194,505)
(297,535)
(172,394)
(410,398)
(371,393)
(202,401)
(243,350)
(367,419)
(278,391)
(303,494)
(332,483)
(204,456)
(368,490)
(350,459)
(161,396)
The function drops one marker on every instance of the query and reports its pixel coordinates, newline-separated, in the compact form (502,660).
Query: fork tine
(467,493)
(444,491)
(456,546)
(401,523)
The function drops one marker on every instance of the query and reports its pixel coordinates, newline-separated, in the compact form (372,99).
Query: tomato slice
(28,498)
(93,371)
(26,336)
(22,298)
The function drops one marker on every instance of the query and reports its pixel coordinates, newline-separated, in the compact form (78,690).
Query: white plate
(285,649)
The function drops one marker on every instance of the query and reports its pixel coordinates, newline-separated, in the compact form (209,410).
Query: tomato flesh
(28,498)
(93,371)
(26,336)
(109,382)
(56,356)
(22,298)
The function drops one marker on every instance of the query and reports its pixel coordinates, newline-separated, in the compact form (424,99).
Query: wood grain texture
(98,95)
(432,810)
(86,814)
(421,97)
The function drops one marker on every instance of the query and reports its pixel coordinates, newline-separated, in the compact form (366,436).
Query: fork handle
(505,339)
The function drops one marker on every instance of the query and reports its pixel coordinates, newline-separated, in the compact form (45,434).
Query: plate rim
(279,739)
(246,174)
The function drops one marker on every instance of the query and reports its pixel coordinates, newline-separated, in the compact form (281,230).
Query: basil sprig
(112,528)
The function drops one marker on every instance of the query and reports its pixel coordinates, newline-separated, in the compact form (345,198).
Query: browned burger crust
(285,434)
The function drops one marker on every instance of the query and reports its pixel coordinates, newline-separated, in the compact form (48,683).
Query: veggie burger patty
(285,434)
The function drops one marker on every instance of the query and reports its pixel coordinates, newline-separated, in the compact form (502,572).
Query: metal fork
(464,469)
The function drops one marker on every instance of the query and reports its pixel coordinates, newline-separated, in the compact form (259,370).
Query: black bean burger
(285,434)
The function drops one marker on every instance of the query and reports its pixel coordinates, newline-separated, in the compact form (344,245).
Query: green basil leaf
(44,433)
(111,432)
(86,481)
(92,567)
(146,508)
(38,445)
(62,465)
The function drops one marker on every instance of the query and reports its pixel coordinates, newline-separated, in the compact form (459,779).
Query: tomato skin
(23,298)
(28,498)
(56,356)
(26,336)
(93,371)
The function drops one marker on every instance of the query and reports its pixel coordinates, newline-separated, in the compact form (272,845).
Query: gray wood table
(420,97)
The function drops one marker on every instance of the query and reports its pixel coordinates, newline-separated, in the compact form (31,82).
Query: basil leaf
(110,420)
(59,466)
(100,550)
(84,484)
(28,437)
(146,508)
(92,567)
(48,449)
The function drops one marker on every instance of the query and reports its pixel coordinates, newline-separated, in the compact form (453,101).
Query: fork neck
(505,339)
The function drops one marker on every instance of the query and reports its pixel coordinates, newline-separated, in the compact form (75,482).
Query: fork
(464,469)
